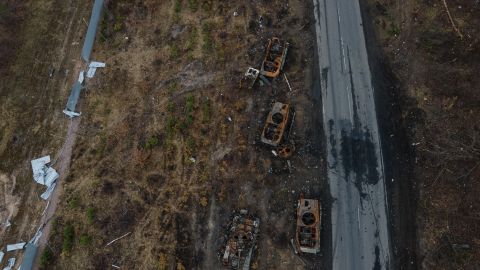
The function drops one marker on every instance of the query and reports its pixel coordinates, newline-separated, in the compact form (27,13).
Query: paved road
(360,237)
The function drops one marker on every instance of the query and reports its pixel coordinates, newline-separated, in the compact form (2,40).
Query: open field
(168,143)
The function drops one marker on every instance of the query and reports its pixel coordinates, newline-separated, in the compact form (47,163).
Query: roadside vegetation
(434,52)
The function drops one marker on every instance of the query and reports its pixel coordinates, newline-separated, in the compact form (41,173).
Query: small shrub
(117,27)
(170,106)
(74,202)
(151,142)
(207,6)
(172,87)
(192,39)
(90,215)
(188,120)
(190,144)
(174,51)
(46,258)
(177,6)
(206,110)
(394,30)
(190,103)
(193,5)
(68,237)
(85,240)
(207,38)
(171,123)
(203,201)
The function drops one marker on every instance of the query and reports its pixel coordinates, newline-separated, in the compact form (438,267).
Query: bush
(68,237)
(177,6)
(46,258)
(171,123)
(85,240)
(193,5)
(174,51)
(151,142)
(74,202)
(394,30)
(192,39)
(190,103)
(206,110)
(90,215)
(207,38)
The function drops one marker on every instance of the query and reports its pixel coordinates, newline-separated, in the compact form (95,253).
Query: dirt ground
(170,94)
(435,108)
(37,38)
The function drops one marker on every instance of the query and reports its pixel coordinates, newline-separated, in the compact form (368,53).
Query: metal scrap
(238,250)
(11,263)
(92,68)
(44,174)
(17,246)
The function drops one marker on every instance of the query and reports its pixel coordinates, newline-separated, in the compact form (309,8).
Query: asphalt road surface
(360,236)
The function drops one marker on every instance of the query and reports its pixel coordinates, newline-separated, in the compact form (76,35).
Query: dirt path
(62,163)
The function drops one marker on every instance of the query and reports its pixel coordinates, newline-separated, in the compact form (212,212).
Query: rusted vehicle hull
(240,246)
(276,124)
(275,56)
(308,226)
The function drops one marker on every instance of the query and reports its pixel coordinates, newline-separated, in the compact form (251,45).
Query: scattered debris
(36,237)
(229,119)
(7,224)
(92,68)
(294,246)
(192,159)
(277,119)
(275,56)
(45,175)
(92,29)
(238,250)
(51,72)
(288,83)
(286,151)
(307,235)
(235,14)
(17,246)
(116,239)
(289,168)
(1,256)
(11,263)
(115,266)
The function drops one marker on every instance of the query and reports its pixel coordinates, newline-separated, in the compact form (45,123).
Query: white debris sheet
(11,263)
(17,246)
(1,256)
(45,175)
(81,76)
(93,67)
(36,237)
